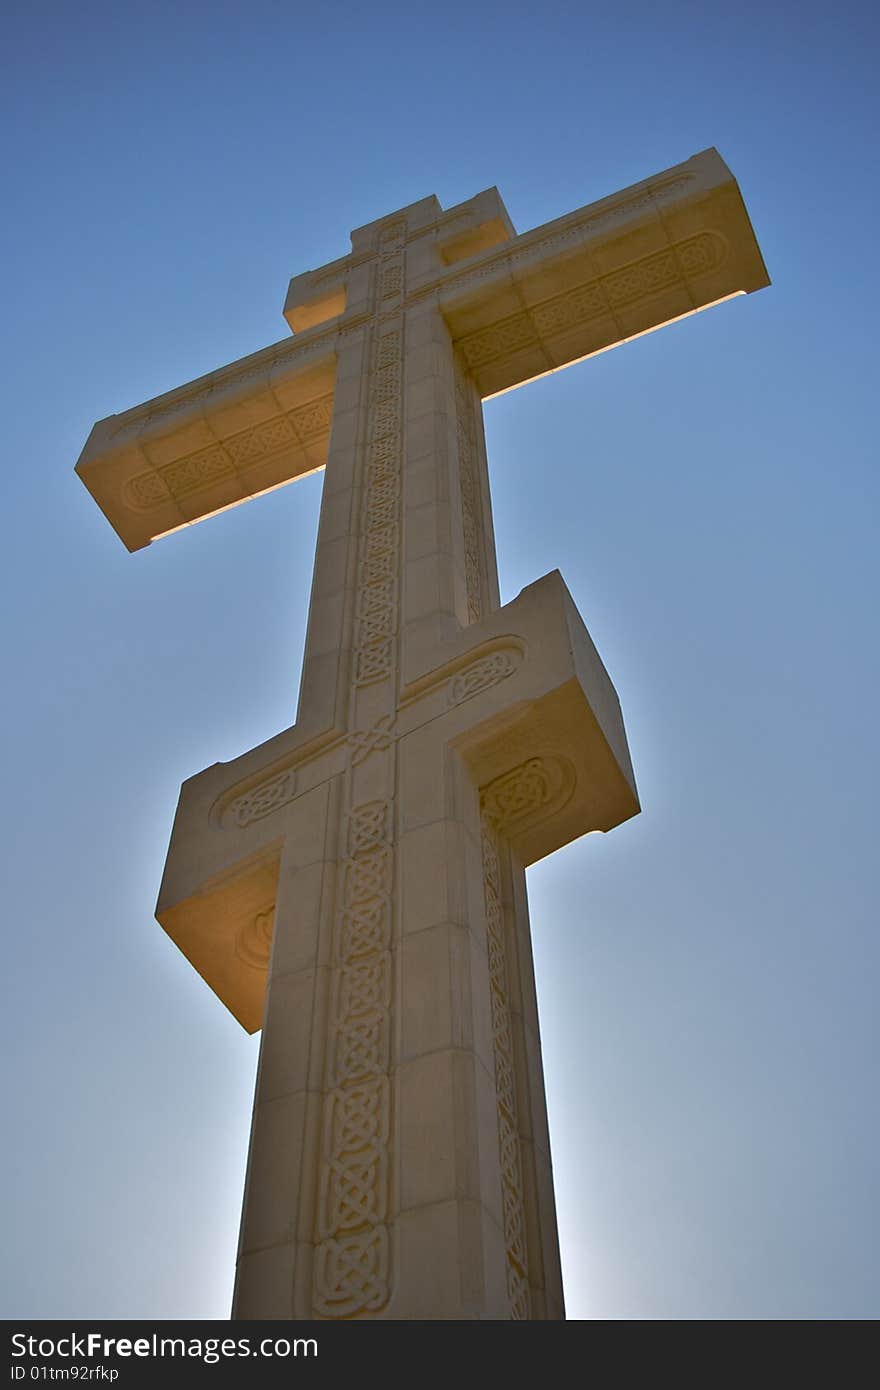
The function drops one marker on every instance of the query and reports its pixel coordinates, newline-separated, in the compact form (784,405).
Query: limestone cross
(356,885)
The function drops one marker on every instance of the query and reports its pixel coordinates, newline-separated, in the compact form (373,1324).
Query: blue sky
(707,973)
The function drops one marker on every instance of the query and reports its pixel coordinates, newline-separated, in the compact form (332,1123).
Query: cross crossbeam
(356,885)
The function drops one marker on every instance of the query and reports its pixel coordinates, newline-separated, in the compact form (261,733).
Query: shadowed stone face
(356,885)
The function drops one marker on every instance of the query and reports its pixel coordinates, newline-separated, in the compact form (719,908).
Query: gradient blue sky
(708,972)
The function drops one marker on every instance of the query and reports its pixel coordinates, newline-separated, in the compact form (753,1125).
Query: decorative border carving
(363,742)
(351,1261)
(471,510)
(512,1199)
(375,647)
(352,1268)
(259,801)
(533,790)
(695,256)
(255,367)
(574,228)
(482,674)
(229,458)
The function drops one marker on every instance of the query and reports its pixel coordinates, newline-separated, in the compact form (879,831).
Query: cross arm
(522,698)
(617,268)
(525,701)
(239,431)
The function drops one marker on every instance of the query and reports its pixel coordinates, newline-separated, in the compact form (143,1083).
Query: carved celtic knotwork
(515,332)
(512,1199)
(146,490)
(375,661)
(365,987)
(378,600)
(361,1048)
(384,489)
(313,418)
(363,742)
(365,929)
(392,281)
(386,418)
(386,382)
(382,508)
(471,511)
(491,866)
(379,567)
(694,256)
(701,253)
(555,315)
(352,1259)
(376,626)
(383,459)
(369,827)
(351,1274)
(235,455)
(253,445)
(358,1118)
(381,540)
(483,674)
(535,788)
(199,470)
(361,1180)
(389,349)
(351,1278)
(261,800)
(377,597)
(368,875)
(644,277)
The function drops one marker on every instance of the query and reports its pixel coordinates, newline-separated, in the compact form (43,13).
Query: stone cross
(356,885)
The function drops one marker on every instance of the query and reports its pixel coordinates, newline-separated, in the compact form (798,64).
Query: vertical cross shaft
(389,1148)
